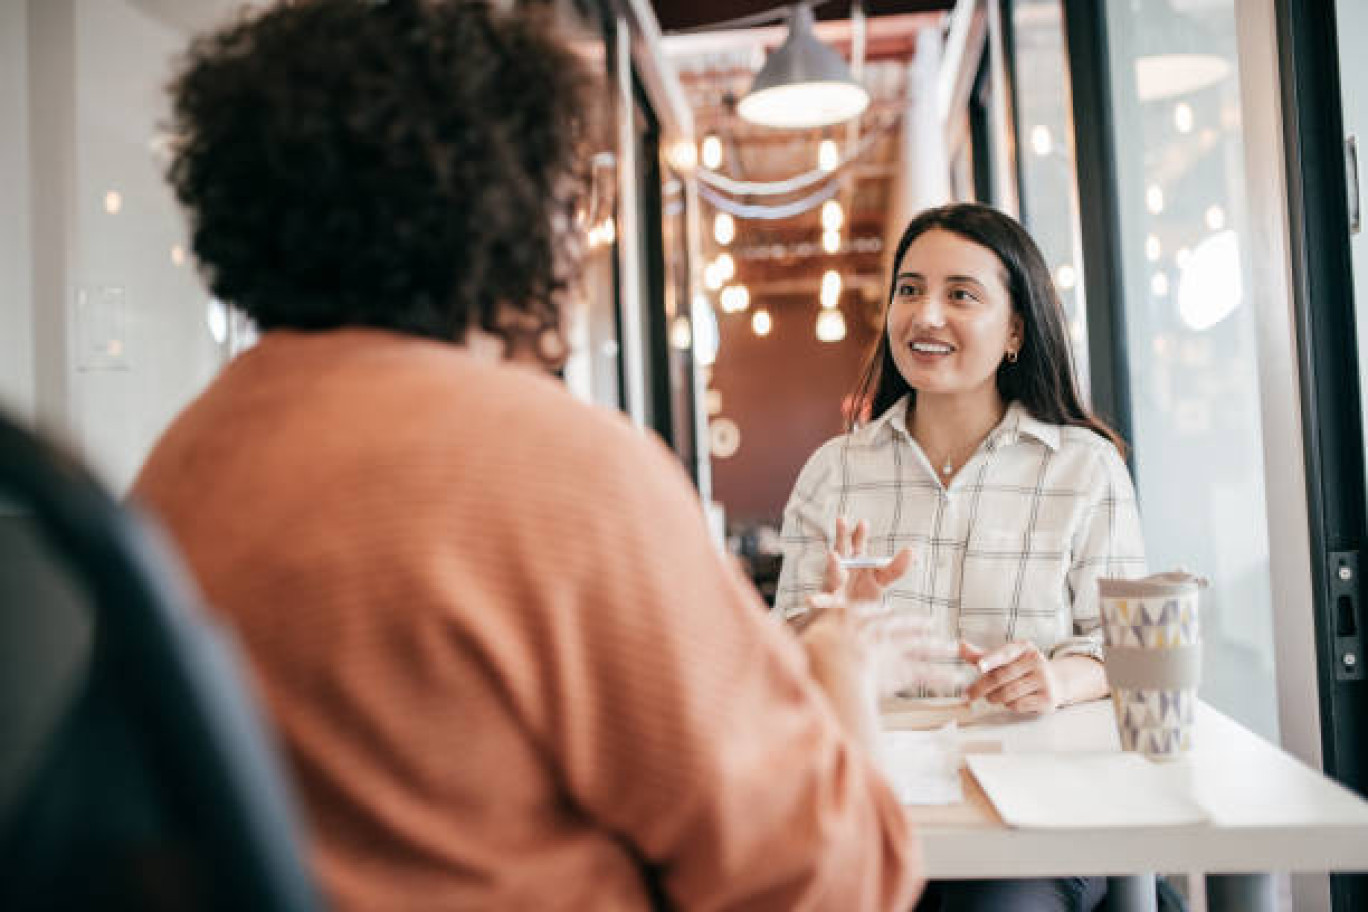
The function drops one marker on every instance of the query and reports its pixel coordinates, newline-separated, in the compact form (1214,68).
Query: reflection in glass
(1049,200)
(1191,335)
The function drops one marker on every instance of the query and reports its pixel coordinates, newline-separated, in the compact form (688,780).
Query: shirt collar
(1016,422)
(1019,422)
(894,418)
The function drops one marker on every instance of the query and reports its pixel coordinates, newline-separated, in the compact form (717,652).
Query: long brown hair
(1042,378)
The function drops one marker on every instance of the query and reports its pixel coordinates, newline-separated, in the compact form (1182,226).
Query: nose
(929,311)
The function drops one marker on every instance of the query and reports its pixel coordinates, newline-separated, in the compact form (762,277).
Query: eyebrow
(953,278)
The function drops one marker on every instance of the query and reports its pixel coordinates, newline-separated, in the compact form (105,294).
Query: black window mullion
(1099,215)
(1328,356)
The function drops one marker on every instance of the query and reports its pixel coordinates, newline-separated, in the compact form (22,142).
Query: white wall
(120,339)
(16,319)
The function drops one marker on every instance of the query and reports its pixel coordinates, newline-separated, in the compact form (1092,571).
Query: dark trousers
(1063,894)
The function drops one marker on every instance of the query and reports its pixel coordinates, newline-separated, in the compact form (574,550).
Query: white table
(1267,812)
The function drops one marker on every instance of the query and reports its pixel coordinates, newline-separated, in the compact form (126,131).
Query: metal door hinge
(1346,620)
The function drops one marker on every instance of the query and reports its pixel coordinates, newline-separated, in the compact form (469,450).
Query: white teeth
(933,348)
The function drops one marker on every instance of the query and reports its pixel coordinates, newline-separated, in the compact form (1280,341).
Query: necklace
(947,465)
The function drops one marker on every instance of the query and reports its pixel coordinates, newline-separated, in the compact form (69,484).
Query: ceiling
(681,15)
(781,261)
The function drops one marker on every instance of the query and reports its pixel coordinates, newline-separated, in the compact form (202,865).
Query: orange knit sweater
(509,667)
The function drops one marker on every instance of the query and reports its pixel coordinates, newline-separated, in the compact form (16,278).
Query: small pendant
(947,468)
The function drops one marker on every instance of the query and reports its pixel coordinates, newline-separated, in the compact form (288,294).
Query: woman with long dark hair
(970,446)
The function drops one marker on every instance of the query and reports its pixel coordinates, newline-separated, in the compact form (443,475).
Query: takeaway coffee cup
(1154,659)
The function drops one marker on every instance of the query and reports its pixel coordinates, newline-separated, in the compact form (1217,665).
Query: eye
(963,294)
(908,289)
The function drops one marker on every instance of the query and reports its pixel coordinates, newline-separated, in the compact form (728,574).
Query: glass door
(1190,311)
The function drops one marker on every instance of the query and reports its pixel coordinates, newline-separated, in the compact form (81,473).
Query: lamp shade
(803,83)
(1175,54)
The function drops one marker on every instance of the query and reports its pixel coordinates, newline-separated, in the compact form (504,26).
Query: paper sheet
(1085,790)
(923,766)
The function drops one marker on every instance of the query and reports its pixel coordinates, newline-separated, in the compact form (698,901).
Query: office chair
(139,775)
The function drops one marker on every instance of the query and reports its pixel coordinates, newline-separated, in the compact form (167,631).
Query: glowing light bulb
(735,298)
(724,228)
(726,266)
(681,334)
(1066,276)
(761,323)
(1182,117)
(712,152)
(831,288)
(113,202)
(1154,199)
(831,325)
(1041,140)
(712,277)
(831,241)
(828,158)
(832,216)
(683,155)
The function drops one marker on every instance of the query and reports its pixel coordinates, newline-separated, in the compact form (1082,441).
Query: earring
(1012,356)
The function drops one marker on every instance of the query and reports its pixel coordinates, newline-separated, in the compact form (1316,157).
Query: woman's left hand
(1017,676)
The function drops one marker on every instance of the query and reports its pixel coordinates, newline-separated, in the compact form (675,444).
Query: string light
(681,333)
(831,325)
(1182,117)
(833,216)
(726,266)
(735,298)
(724,228)
(712,276)
(827,155)
(683,155)
(1154,199)
(831,241)
(1041,140)
(712,152)
(831,288)
(761,323)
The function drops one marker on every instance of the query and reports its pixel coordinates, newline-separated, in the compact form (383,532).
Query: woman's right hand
(866,584)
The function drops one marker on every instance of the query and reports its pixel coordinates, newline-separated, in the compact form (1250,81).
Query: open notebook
(1085,790)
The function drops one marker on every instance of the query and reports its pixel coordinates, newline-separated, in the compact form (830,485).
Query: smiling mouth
(932,348)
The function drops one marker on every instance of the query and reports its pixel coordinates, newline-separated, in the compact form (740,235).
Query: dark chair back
(135,772)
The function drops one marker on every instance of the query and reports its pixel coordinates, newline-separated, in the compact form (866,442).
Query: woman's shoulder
(831,453)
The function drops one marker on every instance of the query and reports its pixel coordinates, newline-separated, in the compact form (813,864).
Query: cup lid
(1171,582)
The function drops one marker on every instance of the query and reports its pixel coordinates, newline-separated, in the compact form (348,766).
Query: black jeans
(1062,894)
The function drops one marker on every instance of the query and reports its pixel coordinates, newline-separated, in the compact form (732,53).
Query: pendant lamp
(803,83)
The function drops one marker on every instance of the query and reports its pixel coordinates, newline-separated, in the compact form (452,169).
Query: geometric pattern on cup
(1157,723)
(1156,623)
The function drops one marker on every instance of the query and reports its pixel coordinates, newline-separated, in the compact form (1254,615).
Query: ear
(1016,331)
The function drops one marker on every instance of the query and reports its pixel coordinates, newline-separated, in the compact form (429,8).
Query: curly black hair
(407,165)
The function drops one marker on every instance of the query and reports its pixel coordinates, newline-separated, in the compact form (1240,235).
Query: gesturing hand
(867,583)
(1017,676)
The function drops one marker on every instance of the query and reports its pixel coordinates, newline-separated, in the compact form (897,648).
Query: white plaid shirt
(1011,550)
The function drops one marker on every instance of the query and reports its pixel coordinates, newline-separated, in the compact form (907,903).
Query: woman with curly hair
(495,687)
